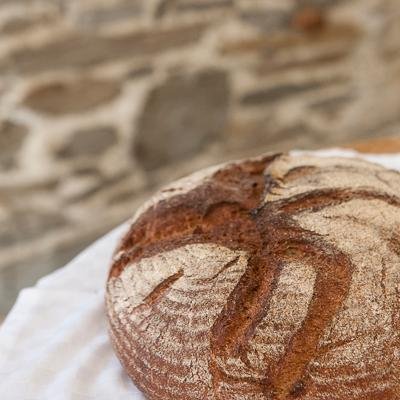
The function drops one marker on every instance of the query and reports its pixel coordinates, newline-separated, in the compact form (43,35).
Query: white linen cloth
(54,343)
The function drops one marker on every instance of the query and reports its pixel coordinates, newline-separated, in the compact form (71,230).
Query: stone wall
(101,101)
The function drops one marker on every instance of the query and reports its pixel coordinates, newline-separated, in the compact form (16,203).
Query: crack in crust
(230,210)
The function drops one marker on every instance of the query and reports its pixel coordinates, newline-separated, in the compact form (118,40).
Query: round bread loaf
(270,278)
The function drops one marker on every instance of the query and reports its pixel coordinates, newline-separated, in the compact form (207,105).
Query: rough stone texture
(24,225)
(173,125)
(58,98)
(106,100)
(16,24)
(12,137)
(77,49)
(89,142)
(95,14)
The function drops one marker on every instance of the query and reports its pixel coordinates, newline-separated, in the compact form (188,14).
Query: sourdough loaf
(270,278)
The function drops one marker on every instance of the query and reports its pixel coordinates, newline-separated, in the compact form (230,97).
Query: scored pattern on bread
(270,278)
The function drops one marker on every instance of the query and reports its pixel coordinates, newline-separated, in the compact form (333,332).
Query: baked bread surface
(270,278)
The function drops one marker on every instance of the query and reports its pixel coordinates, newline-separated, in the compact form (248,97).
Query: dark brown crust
(228,210)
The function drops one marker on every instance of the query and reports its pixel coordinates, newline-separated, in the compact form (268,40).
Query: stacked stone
(101,101)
